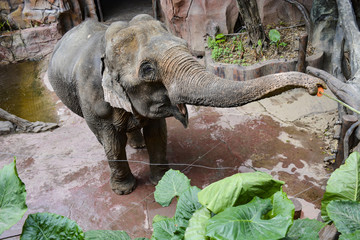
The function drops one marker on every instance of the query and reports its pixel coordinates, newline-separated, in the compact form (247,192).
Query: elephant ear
(114,92)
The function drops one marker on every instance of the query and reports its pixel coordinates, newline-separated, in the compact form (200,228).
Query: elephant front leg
(122,181)
(155,135)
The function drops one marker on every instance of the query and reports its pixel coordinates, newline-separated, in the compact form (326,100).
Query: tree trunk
(352,36)
(249,13)
(305,14)
(26,126)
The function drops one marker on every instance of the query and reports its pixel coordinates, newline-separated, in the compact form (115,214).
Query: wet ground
(23,94)
(66,173)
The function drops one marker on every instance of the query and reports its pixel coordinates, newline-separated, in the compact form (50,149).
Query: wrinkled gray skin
(133,75)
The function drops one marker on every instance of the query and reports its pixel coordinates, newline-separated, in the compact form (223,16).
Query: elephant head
(150,72)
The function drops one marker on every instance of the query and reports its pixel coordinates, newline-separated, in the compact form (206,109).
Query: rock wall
(275,11)
(324,17)
(22,14)
(192,19)
(189,19)
(28,44)
(29,29)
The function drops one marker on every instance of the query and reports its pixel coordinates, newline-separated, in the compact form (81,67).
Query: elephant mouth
(182,114)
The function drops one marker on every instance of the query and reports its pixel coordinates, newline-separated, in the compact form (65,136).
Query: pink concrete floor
(66,173)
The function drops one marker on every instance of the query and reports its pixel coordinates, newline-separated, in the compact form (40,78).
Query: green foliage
(246,222)
(211,43)
(345,214)
(240,47)
(220,38)
(343,184)
(197,224)
(188,203)
(174,228)
(260,44)
(43,226)
(216,53)
(106,234)
(238,189)
(12,197)
(274,36)
(172,184)
(5,25)
(164,229)
(281,205)
(193,220)
(305,229)
(158,218)
(350,236)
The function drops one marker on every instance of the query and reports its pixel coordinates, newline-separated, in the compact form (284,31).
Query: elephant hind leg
(136,139)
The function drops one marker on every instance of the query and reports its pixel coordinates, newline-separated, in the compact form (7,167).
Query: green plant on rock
(220,38)
(5,25)
(240,47)
(260,44)
(275,37)
(211,43)
(216,53)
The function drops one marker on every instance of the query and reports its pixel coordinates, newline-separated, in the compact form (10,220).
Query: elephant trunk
(188,82)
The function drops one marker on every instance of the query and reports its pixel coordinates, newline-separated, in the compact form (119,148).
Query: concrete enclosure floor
(65,171)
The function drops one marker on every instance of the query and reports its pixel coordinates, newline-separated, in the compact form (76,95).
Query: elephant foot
(156,176)
(123,186)
(135,139)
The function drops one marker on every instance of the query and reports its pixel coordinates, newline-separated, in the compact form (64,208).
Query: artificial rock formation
(28,44)
(193,19)
(20,14)
(189,19)
(30,28)
(275,11)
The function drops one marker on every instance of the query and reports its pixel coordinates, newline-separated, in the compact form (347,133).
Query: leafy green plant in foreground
(242,206)
(12,197)
(343,184)
(228,209)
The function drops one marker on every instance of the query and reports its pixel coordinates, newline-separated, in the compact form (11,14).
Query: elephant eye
(148,71)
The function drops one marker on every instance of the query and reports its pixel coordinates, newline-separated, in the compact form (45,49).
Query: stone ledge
(28,44)
(242,73)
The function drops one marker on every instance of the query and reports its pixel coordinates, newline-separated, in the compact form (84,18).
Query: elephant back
(72,56)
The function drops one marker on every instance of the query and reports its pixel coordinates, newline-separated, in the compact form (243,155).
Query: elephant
(131,75)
